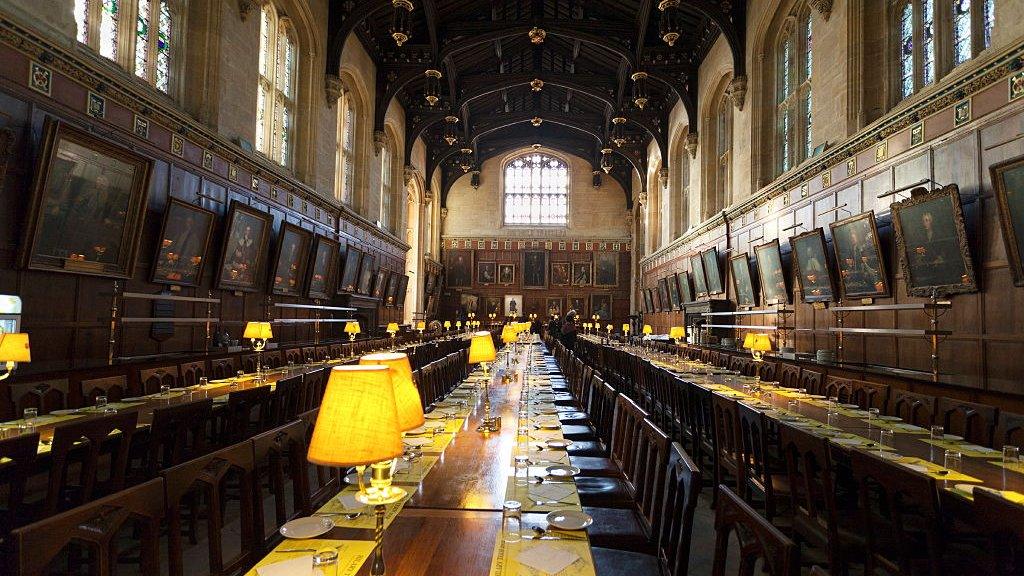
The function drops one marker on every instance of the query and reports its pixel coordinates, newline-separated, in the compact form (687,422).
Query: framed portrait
(493,305)
(350,271)
(582,273)
(560,273)
(812,270)
(535,269)
(429,282)
(380,283)
(579,304)
(1008,184)
(741,280)
(323,272)
(685,291)
(403,285)
(663,295)
(606,269)
(289,271)
(673,292)
(700,286)
(468,303)
(931,241)
(184,239)
(391,291)
(486,272)
(648,301)
(506,274)
(601,305)
(771,273)
(245,247)
(554,306)
(87,207)
(712,271)
(459,264)
(859,257)
(365,274)
(514,305)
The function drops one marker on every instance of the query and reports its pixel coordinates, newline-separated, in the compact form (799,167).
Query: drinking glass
(511,521)
(203,381)
(325,562)
(887,439)
(872,416)
(952,461)
(101,403)
(522,469)
(793,406)
(833,404)
(165,390)
(1011,454)
(30,414)
(832,419)
(937,432)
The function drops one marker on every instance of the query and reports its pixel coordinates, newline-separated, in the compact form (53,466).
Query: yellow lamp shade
(421,326)
(648,329)
(407,397)
(14,347)
(352,327)
(481,348)
(358,420)
(748,340)
(608,327)
(447,324)
(508,334)
(258,330)
(458,323)
(677,332)
(625,328)
(761,343)
(392,327)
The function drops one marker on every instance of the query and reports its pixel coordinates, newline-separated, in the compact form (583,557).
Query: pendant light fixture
(400,21)
(466,160)
(606,160)
(639,89)
(432,89)
(537,85)
(537,121)
(449,129)
(617,136)
(668,27)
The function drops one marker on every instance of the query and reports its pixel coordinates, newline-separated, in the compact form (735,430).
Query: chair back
(323,482)
(293,355)
(286,400)
(917,409)
(755,458)
(113,387)
(224,367)
(769,371)
(177,433)
(43,395)
(19,456)
(812,381)
(973,421)
(727,440)
(648,478)
(247,412)
(602,412)
(151,379)
(682,488)
(841,388)
(869,394)
(628,418)
(789,375)
(191,372)
(1009,430)
(760,544)
(1003,521)
(313,386)
(281,452)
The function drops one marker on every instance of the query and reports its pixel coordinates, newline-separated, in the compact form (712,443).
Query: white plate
(569,519)
(951,437)
(889,455)
(816,396)
(63,412)
(562,471)
(434,416)
(558,444)
(917,468)
(417,431)
(308,527)
(417,442)
(890,418)
(849,406)
(549,425)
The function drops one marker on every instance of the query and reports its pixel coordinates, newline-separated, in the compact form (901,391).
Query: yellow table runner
(351,553)
(417,470)
(1015,467)
(43,420)
(566,498)
(934,470)
(897,427)
(1010,495)
(969,450)
(366,520)
(504,561)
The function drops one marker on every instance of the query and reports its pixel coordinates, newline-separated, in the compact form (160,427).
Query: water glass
(203,381)
(165,390)
(511,521)
(1011,454)
(937,432)
(833,404)
(30,414)
(522,469)
(953,461)
(832,419)
(887,439)
(325,562)
(793,406)
(101,403)
(872,416)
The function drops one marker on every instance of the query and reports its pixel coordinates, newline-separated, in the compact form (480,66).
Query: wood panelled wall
(535,300)
(982,358)
(68,315)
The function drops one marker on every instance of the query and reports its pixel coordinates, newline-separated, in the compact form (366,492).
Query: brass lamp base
(379,495)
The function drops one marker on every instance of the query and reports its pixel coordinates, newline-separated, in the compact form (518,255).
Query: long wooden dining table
(451,522)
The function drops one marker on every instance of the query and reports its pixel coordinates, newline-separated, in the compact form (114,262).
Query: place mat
(549,457)
(968,450)
(415,472)
(44,420)
(1010,495)
(439,442)
(351,556)
(932,470)
(505,560)
(563,494)
(897,427)
(366,521)
(855,441)
(1014,467)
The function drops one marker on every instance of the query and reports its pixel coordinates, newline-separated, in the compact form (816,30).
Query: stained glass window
(344,180)
(109,15)
(266,82)
(928,41)
(275,93)
(989,21)
(537,191)
(907,50)
(387,191)
(164,47)
(961,31)
(793,109)
(142,40)
(82,19)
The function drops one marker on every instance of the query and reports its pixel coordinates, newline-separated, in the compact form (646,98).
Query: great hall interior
(511,288)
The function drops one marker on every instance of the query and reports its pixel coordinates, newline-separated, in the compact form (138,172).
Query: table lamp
(609,329)
(447,326)
(14,348)
(748,340)
(760,344)
(647,330)
(358,425)
(258,333)
(420,327)
(677,333)
(407,397)
(392,329)
(625,329)
(481,351)
(458,324)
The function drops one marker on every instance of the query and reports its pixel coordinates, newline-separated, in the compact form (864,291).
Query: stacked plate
(825,356)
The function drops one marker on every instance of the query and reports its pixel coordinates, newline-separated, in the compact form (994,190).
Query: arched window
(793,100)
(936,36)
(387,189)
(344,174)
(719,163)
(536,190)
(275,98)
(682,215)
(104,25)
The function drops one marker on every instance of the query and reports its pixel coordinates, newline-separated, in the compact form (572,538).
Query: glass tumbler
(793,406)
(953,461)
(101,403)
(325,562)
(203,381)
(886,439)
(165,390)
(511,521)
(30,414)
(937,432)
(522,469)
(872,416)
(1011,454)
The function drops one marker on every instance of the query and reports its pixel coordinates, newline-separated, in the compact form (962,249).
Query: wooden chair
(974,422)
(759,541)
(282,453)
(313,386)
(914,408)
(43,395)
(1003,522)
(285,400)
(727,442)
(323,353)
(178,433)
(99,526)
(19,456)
(113,387)
(224,367)
(309,354)
(293,356)
(869,394)
(249,363)
(1009,430)
(151,379)
(836,387)
(201,485)
(789,375)
(812,381)
(901,517)
(191,372)
(273,358)
(247,413)
(768,370)
(96,442)
(323,481)
(761,470)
